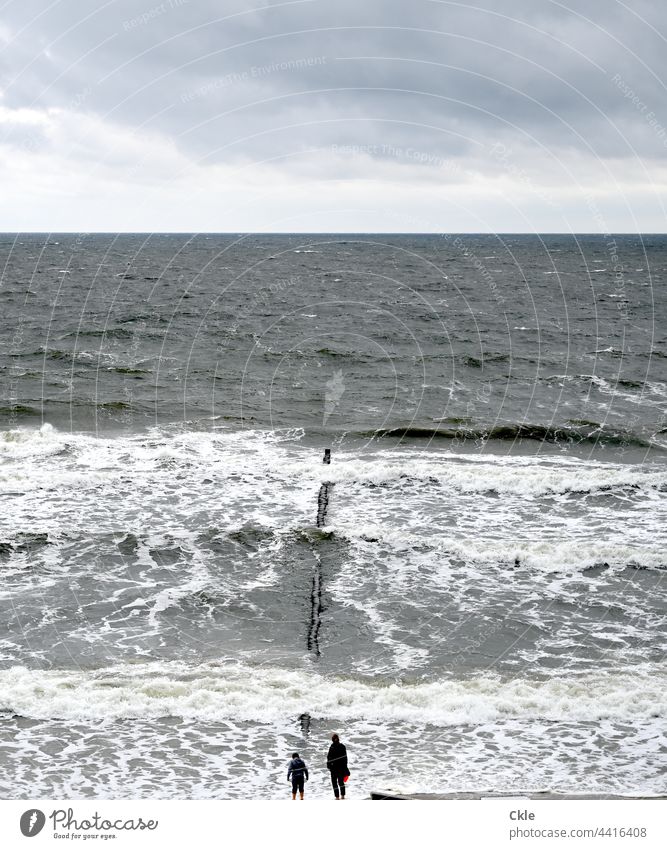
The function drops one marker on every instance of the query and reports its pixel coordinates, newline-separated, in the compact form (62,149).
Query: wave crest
(214,692)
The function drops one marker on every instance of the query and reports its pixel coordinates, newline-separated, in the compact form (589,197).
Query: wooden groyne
(323,496)
(313,639)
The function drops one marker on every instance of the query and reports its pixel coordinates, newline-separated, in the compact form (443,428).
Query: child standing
(297,772)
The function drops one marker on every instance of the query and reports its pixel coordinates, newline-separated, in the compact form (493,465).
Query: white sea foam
(185,759)
(183,482)
(522,476)
(215,692)
(261,454)
(542,555)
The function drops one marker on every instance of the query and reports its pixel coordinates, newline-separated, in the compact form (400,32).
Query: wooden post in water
(316,589)
(323,497)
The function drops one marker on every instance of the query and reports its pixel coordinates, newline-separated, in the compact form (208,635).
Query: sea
(481,606)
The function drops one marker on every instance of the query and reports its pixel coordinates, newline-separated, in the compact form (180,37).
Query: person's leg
(342,786)
(301,788)
(334,784)
(294,789)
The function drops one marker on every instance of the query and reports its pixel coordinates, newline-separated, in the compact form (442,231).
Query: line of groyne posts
(316,588)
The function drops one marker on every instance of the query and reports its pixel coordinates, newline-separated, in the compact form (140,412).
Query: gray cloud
(327,90)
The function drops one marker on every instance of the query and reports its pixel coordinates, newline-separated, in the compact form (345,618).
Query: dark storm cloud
(239,81)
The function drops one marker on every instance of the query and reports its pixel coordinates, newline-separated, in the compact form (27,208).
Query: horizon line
(330,233)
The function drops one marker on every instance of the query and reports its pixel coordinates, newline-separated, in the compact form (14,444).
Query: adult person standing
(297,772)
(337,765)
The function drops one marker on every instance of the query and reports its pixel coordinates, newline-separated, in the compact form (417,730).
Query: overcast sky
(333,115)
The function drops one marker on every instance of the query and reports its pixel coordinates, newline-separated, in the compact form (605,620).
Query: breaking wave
(218,692)
(594,434)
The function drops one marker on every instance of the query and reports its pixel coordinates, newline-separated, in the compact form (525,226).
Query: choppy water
(487,596)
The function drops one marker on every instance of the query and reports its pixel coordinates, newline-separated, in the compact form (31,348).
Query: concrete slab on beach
(391,795)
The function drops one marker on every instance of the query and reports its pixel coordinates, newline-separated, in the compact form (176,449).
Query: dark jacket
(337,759)
(297,769)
